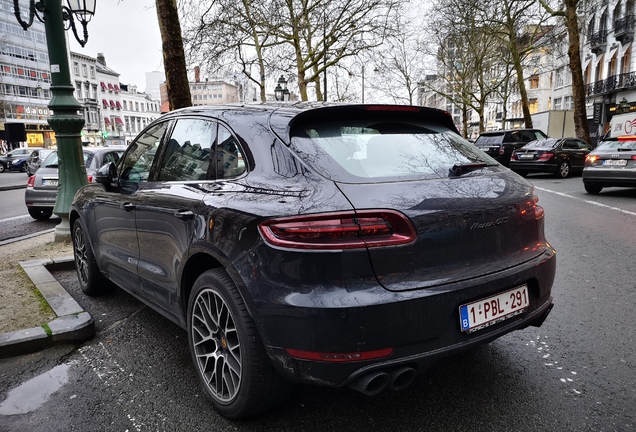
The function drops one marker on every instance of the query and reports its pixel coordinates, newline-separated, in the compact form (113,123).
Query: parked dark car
(611,164)
(338,245)
(35,160)
(41,191)
(559,156)
(17,154)
(500,144)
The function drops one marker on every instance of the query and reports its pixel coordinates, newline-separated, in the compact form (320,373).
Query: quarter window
(230,162)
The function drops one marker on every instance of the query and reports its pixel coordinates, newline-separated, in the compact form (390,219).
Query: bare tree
(173,55)
(568,12)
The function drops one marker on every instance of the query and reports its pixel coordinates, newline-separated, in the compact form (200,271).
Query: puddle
(32,394)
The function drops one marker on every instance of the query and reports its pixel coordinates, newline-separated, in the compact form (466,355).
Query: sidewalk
(71,322)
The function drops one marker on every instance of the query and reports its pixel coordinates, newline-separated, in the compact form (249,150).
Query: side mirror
(107,174)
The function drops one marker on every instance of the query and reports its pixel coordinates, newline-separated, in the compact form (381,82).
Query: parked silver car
(41,190)
(611,164)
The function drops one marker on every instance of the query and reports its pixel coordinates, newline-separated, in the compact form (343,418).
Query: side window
(229,158)
(187,154)
(570,145)
(141,155)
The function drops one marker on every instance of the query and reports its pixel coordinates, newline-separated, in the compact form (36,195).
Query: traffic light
(105,134)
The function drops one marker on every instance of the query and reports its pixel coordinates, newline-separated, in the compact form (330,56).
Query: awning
(118,105)
(105,103)
(103,85)
(106,120)
(110,87)
(116,88)
(112,104)
(119,121)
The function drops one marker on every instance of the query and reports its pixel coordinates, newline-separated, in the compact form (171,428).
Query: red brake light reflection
(337,231)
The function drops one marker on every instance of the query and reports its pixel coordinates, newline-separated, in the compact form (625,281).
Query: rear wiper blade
(461,169)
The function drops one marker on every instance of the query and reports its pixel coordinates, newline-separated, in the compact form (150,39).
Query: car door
(167,210)
(114,210)
(576,151)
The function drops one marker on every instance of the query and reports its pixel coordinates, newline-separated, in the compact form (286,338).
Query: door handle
(184,215)
(128,206)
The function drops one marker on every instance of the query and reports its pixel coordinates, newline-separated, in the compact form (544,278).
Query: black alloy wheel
(227,351)
(563,169)
(91,280)
(2,167)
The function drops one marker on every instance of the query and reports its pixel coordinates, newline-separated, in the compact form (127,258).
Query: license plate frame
(526,156)
(615,162)
(479,314)
(49,182)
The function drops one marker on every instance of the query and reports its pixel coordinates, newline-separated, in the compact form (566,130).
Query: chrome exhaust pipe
(401,377)
(372,383)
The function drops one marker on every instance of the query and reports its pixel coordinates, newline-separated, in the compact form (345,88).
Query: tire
(563,170)
(90,278)
(227,351)
(592,188)
(40,214)
(2,168)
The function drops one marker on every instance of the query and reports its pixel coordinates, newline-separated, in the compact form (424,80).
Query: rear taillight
(501,150)
(513,156)
(342,230)
(591,159)
(339,357)
(31,181)
(546,156)
(90,179)
(634,157)
(538,210)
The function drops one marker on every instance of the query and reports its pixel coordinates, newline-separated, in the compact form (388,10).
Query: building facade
(24,79)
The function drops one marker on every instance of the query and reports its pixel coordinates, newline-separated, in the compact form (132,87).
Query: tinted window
(187,154)
(389,149)
(489,139)
(230,162)
(140,156)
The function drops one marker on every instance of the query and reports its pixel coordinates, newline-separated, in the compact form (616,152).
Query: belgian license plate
(615,162)
(526,156)
(49,182)
(488,311)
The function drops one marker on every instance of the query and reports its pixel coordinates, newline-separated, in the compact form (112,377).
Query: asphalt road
(575,373)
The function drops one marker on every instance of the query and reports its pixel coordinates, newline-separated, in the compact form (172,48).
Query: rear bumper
(610,176)
(534,167)
(420,326)
(40,198)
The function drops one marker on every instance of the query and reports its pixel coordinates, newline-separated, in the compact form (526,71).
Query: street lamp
(281,93)
(623,105)
(65,120)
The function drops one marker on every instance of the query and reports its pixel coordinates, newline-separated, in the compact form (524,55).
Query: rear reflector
(339,357)
(341,230)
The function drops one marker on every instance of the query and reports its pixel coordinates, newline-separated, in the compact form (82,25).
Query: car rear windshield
(542,144)
(619,144)
(360,150)
(52,160)
(493,139)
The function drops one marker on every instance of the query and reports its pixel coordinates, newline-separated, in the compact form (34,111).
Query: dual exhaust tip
(376,382)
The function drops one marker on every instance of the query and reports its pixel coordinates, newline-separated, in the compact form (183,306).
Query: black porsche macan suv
(339,245)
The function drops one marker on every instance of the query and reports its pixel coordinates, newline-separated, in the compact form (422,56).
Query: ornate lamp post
(281,92)
(65,120)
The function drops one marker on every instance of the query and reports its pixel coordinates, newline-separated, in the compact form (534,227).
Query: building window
(559,78)
(76,68)
(84,70)
(568,102)
(533,105)
(534,82)
(93,72)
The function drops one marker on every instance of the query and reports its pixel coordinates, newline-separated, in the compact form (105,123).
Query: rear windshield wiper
(52,166)
(461,169)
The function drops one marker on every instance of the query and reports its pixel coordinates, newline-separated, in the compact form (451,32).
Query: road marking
(627,212)
(13,218)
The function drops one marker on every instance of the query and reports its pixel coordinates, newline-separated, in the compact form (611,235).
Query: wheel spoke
(216,345)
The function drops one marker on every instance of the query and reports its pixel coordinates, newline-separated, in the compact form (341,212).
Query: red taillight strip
(31,181)
(339,357)
(341,230)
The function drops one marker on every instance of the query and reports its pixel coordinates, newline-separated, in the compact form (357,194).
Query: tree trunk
(581,125)
(173,55)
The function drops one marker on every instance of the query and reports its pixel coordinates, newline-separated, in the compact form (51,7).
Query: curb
(11,187)
(72,324)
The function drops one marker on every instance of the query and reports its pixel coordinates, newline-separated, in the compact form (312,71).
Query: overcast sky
(127,33)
